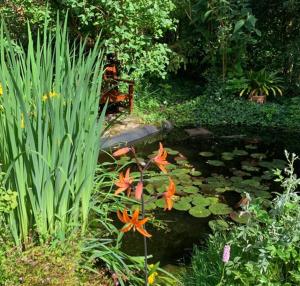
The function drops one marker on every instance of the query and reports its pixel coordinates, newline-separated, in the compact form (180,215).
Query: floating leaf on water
(238,152)
(171,167)
(220,209)
(197,182)
(251,182)
(236,179)
(190,189)
(149,188)
(213,200)
(199,211)
(242,217)
(250,168)
(268,175)
(240,173)
(160,203)
(251,147)
(262,194)
(275,164)
(227,158)
(150,206)
(182,162)
(215,163)
(259,156)
(182,205)
(195,173)
(187,199)
(206,154)
(179,172)
(199,200)
(218,225)
(222,190)
(171,151)
(161,189)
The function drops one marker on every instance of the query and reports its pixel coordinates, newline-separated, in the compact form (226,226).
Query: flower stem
(145,245)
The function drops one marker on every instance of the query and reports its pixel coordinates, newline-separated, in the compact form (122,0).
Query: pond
(212,174)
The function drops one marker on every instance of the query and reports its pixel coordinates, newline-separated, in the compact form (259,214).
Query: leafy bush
(134,29)
(265,251)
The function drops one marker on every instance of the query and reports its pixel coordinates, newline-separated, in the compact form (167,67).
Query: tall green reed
(49,131)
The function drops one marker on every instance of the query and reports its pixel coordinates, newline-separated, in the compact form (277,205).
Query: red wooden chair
(111,91)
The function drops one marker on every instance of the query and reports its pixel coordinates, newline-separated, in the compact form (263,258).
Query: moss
(50,265)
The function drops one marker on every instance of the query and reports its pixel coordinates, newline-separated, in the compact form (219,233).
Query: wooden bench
(111,91)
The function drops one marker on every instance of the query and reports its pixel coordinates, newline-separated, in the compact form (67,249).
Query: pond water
(212,174)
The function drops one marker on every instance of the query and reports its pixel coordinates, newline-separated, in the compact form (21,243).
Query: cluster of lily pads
(204,196)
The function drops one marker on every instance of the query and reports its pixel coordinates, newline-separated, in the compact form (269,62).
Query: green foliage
(184,104)
(278,47)
(49,132)
(262,83)
(8,198)
(131,28)
(54,264)
(216,34)
(265,251)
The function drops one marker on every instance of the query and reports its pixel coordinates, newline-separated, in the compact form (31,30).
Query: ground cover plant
(265,251)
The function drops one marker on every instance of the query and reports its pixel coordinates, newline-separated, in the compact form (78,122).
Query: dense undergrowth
(185,103)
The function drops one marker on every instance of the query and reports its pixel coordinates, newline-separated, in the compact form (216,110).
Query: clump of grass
(49,131)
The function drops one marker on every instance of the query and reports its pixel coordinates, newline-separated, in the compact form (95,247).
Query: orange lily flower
(121,151)
(160,158)
(133,222)
(124,183)
(168,195)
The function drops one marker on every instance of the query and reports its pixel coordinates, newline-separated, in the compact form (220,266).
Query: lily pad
(150,206)
(220,209)
(251,147)
(195,173)
(182,205)
(206,154)
(199,211)
(242,217)
(199,200)
(227,156)
(223,190)
(197,182)
(180,172)
(215,163)
(218,225)
(171,151)
(259,156)
(190,189)
(160,203)
(250,168)
(238,152)
(240,173)
(149,188)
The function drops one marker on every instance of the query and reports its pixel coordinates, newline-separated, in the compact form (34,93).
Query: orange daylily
(124,183)
(160,158)
(168,195)
(121,151)
(133,222)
